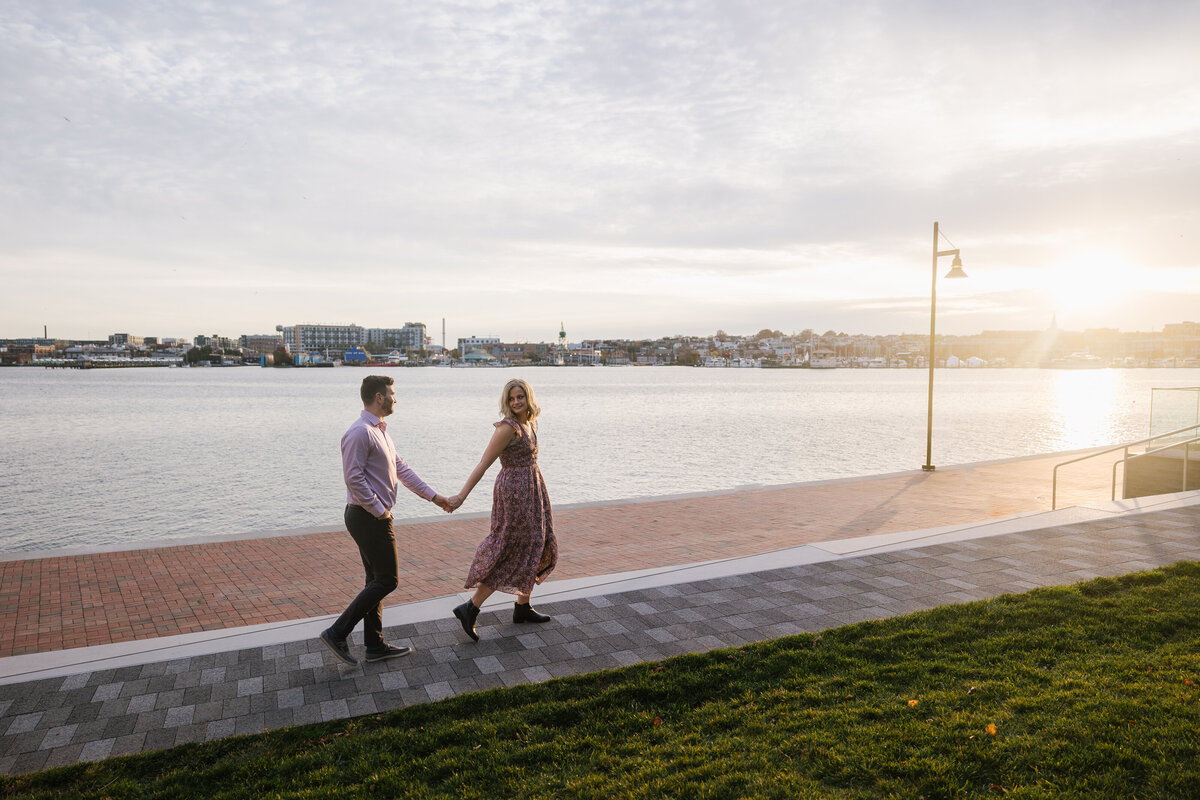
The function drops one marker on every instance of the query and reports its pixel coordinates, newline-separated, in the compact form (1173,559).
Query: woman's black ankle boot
(523,612)
(467,614)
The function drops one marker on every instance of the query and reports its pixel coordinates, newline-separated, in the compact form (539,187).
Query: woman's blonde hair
(505,411)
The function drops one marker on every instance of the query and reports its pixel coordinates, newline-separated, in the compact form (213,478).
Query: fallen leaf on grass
(991,729)
(912,703)
(657,721)
(1188,682)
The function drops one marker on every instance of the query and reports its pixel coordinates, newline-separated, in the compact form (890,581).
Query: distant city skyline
(634,170)
(451,340)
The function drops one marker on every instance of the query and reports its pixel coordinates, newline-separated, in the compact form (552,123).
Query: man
(372,469)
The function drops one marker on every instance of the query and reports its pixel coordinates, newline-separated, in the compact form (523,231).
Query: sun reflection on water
(1086,408)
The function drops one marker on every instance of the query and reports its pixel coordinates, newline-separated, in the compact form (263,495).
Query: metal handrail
(1125,447)
(1187,454)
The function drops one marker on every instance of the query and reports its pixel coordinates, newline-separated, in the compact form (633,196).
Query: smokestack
(45,334)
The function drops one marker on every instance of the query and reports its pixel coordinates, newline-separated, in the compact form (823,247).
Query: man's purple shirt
(372,467)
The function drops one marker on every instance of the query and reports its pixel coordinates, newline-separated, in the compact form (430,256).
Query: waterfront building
(309,338)
(104,354)
(215,342)
(478,357)
(317,338)
(356,355)
(468,343)
(410,337)
(92,351)
(581,355)
(15,355)
(262,344)
(1181,340)
(617,357)
(513,352)
(509,352)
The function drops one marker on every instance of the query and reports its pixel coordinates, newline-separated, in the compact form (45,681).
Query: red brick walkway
(81,600)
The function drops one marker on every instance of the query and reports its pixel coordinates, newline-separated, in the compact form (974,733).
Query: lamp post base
(928,467)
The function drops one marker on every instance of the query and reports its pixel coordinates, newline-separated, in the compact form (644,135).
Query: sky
(624,169)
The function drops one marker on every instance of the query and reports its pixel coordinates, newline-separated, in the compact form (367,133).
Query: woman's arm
(500,440)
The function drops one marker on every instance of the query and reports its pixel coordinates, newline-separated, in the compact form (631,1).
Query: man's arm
(412,481)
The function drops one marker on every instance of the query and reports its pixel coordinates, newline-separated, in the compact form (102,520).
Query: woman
(521,549)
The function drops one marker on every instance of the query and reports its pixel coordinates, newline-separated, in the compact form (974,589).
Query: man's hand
(443,503)
(455,501)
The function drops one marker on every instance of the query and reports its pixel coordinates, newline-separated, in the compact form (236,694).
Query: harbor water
(121,457)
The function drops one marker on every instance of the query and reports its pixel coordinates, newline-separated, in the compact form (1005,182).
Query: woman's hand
(455,501)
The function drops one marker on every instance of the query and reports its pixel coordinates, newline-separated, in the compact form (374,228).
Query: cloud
(608,154)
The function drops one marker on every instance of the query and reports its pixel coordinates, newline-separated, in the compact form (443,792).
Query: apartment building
(485,343)
(410,337)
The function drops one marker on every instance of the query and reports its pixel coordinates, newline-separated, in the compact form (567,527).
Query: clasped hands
(448,504)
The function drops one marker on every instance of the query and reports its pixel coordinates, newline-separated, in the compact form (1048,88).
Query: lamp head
(956,270)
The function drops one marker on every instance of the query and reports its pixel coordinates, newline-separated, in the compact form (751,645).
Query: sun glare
(1090,281)
(1085,407)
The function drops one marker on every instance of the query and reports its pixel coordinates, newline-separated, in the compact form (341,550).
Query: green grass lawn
(1083,692)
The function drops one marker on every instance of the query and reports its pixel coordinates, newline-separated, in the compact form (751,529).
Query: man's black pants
(377,546)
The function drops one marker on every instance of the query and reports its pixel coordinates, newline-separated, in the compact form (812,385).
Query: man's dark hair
(373,385)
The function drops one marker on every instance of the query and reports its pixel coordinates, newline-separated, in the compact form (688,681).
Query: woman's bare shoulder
(510,423)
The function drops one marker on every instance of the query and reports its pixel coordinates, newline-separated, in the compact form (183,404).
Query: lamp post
(956,271)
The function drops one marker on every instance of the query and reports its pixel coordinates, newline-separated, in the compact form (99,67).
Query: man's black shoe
(387,652)
(338,648)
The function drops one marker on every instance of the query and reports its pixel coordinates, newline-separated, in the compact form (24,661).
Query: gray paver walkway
(107,712)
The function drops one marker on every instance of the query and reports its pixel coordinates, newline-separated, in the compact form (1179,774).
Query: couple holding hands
(518,553)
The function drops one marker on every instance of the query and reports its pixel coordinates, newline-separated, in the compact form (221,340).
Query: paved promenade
(863,560)
(63,602)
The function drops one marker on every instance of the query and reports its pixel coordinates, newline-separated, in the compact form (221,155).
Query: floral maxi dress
(521,549)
